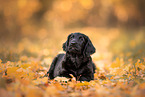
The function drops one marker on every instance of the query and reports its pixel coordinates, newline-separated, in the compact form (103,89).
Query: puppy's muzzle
(73,44)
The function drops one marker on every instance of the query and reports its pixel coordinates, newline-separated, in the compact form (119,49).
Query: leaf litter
(120,76)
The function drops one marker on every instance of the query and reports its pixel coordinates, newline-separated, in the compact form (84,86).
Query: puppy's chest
(74,62)
(75,65)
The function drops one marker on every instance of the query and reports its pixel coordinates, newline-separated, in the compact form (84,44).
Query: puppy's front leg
(63,71)
(85,78)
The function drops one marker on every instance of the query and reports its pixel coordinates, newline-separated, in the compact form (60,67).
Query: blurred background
(37,28)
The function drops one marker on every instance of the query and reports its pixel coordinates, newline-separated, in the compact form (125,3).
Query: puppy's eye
(72,37)
(81,38)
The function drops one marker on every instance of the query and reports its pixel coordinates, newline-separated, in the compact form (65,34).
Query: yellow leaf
(106,81)
(83,84)
(25,66)
(73,79)
(92,83)
(11,71)
(31,75)
(112,77)
(116,64)
(141,66)
(45,79)
(58,86)
(120,71)
(71,84)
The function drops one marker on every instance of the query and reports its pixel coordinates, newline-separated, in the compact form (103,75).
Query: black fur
(76,61)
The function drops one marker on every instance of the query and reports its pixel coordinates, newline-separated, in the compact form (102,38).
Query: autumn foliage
(32,33)
(119,72)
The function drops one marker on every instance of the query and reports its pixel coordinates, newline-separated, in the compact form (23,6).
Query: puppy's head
(78,43)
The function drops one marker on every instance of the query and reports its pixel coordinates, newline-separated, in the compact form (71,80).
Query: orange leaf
(83,84)
(116,64)
(11,71)
(25,66)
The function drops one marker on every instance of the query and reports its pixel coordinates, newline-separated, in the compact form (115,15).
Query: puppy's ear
(89,48)
(65,45)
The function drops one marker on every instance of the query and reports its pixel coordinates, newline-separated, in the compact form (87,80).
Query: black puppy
(77,60)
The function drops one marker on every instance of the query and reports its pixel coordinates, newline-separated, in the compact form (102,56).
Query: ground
(119,57)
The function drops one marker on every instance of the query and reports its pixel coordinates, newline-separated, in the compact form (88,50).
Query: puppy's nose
(73,43)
